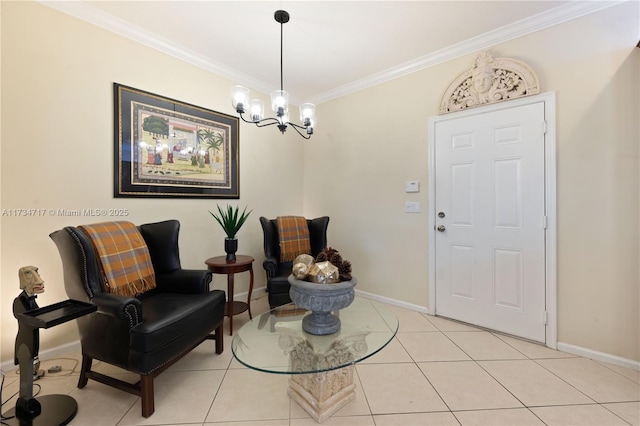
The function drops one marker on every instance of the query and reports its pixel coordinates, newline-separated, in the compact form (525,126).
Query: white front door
(490,219)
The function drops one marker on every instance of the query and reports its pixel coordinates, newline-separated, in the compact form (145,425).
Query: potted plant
(231,221)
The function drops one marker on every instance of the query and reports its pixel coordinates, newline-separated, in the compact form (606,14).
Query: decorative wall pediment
(488,81)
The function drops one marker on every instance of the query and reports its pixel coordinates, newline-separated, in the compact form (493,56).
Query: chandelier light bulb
(307,114)
(280,102)
(257,110)
(239,98)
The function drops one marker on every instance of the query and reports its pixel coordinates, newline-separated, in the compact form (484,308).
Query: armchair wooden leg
(86,366)
(146,394)
(219,339)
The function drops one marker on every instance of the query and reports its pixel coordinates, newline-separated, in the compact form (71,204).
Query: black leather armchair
(277,272)
(148,333)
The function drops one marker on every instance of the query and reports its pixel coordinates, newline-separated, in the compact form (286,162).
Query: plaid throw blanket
(293,233)
(124,257)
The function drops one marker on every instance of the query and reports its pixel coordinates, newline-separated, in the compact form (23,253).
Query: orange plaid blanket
(124,257)
(293,233)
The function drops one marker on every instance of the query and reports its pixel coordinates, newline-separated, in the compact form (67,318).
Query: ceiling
(331,48)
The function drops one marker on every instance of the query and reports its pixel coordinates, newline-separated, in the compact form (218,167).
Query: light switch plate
(412,207)
(412,186)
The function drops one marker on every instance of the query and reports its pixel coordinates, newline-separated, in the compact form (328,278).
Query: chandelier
(279,101)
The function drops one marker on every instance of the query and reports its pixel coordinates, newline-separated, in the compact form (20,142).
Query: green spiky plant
(231,220)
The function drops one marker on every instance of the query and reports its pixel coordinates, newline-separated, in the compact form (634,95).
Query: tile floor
(435,372)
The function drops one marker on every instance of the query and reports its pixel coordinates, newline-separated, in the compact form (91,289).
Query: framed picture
(166,148)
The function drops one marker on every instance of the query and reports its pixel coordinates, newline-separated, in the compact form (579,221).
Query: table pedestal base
(57,410)
(322,394)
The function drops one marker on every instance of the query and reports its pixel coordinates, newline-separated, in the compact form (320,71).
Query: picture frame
(164,148)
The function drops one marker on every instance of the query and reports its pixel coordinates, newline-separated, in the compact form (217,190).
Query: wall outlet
(412,207)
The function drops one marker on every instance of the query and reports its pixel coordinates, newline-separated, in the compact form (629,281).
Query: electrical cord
(15,394)
(2,417)
(35,385)
(59,374)
(53,361)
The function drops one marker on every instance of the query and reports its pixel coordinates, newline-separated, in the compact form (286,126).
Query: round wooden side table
(220,265)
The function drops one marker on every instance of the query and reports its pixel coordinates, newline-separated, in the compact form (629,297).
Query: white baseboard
(393,302)
(565,347)
(255,293)
(599,356)
(52,353)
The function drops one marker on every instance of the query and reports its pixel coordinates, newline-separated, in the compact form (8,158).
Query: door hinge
(545,317)
(544,127)
(545,222)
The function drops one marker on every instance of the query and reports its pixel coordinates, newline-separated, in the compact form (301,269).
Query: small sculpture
(301,266)
(483,75)
(31,284)
(30,281)
(324,273)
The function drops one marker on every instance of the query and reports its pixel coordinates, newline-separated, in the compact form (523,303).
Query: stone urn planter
(321,300)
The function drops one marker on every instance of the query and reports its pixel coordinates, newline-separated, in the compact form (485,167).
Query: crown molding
(558,15)
(95,16)
(540,21)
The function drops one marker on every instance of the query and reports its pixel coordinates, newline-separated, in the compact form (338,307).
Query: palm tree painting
(213,141)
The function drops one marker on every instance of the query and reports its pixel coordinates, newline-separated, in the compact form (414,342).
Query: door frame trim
(551,295)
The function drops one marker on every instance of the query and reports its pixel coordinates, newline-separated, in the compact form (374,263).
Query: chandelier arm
(244,119)
(258,123)
(296,127)
(266,122)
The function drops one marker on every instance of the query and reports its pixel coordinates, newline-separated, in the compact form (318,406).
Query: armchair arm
(120,307)
(270,265)
(184,281)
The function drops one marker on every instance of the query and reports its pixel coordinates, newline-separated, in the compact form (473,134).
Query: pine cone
(345,268)
(321,257)
(335,258)
(330,252)
(345,277)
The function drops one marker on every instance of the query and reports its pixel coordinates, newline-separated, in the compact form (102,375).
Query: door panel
(509,282)
(461,196)
(462,277)
(507,193)
(490,251)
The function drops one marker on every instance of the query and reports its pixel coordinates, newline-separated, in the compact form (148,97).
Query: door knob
(441,228)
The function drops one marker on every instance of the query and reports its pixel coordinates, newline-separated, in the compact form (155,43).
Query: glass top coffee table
(321,367)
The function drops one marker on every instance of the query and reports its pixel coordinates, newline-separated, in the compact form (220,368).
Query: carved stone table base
(322,394)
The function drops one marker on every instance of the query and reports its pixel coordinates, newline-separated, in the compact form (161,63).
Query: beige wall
(378,139)
(57,147)
(57,141)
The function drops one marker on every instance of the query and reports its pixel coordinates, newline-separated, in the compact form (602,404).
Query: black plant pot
(231,247)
